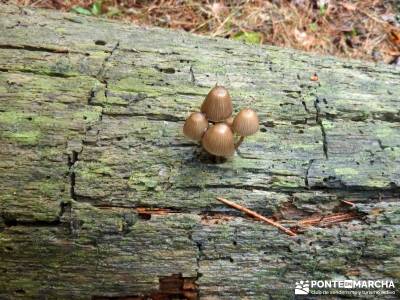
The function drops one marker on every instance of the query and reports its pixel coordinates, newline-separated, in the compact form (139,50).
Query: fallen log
(102,196)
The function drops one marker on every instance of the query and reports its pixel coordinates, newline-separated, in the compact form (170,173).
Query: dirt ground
(368,29)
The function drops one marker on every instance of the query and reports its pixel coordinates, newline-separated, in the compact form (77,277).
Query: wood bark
(102,196)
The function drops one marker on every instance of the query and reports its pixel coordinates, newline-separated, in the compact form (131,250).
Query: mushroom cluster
(220,134)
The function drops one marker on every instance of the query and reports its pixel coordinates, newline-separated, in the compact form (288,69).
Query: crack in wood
(72,159)
(318,119)
(92,95)
(9,222)
(192,77)
(199,256)
(101,74)
(148,116)
(381,144)
(166,70)
(305,106)
(47,73)
(311,161)
(36,48)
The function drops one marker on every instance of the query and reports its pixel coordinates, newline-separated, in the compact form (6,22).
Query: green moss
(307,147)
(133,84)
(385,132)
(237,163)
(308,265)
(191,177)
(346,171)
(328,124)
(151,82)
(382,249)
(141,181)
(49,188)
(283,172)
(393,153)
(12,117)
(144,227)
(111,101)
(60,30)
(226,231)
(63,66)
(286,182)
(32,120)
(248,37)
(92,170)
(90,115)
(98,55)
(25,137)
(361,116)
(377,182)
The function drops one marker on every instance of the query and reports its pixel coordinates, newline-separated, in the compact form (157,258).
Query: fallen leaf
(96,8)
(248,37)
(81,10)
(395,36)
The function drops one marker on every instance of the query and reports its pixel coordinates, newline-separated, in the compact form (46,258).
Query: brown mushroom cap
(218,140)
(246,122)
(218,104)
(229,121)
(195,126)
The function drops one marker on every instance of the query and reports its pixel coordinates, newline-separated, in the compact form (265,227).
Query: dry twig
(348,203)
(327,220)
(255,215)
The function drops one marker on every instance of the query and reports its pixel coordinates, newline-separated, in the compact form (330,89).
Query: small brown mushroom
(218,140)
(195,126)
(245,124)
(229,121)
(218,104)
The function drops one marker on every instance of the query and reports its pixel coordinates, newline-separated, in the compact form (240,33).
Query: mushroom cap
(246,122)
(218,104)
(218,140)
(195,126)
(229,121)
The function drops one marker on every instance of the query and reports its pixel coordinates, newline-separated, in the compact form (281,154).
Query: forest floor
(368,29)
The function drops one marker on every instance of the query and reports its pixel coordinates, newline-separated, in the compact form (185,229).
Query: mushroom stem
(256,215)
(219,159)
(239,142)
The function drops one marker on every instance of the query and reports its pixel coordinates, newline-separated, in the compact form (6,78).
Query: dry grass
(367,29)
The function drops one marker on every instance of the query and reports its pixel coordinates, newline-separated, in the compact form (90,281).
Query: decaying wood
(102,196)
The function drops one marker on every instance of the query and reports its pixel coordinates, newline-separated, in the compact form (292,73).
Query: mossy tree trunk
(101,195)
